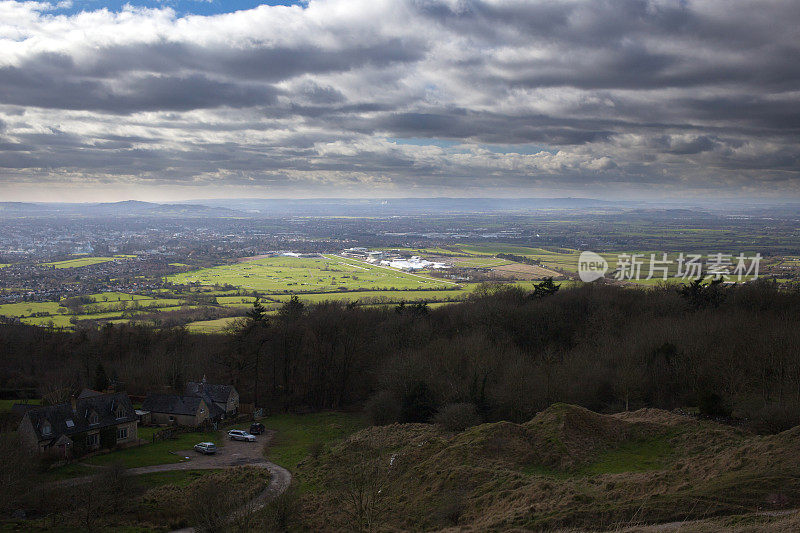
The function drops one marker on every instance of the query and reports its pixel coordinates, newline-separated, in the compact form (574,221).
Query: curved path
(233,454)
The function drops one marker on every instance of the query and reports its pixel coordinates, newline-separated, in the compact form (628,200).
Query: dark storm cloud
(54,90)
(494,128)
(631,90)
(636,43)
(257,61)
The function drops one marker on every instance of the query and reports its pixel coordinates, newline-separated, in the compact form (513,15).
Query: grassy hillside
(566,468)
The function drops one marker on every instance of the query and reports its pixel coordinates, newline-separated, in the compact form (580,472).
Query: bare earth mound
(568,468)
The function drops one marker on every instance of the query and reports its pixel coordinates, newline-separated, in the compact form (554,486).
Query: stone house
(222,399)
(178,410)
(82,425)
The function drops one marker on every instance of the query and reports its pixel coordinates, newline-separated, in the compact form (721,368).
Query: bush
(457,416)
(382,409)
(711,404)
(418,403)
(280,513)
(211,503)
(774,418)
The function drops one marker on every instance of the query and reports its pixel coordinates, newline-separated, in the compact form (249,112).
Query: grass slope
(297,435)
(566,468)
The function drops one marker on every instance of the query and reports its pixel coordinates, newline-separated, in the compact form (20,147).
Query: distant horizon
(655,201)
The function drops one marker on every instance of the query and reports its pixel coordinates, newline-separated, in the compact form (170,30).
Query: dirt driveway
(232,453)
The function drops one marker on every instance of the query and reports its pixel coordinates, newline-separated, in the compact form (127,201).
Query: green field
(156,453)
(388,296)
(5,405)
(275,279)
(427,251)
(22,309)
(211,326)
(567,260)
(297,275)
(481,262)
(297,435)
(55,321)
(116,296)
(314,280)
(110,306)
(85,261)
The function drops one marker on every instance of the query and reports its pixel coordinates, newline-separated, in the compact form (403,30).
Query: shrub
(774,418)
(383,409)
(210,504)
(457,416)
(418,403)
(282,512)
(712,405)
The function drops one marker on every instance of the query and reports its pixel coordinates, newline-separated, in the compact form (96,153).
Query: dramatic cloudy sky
(597,98)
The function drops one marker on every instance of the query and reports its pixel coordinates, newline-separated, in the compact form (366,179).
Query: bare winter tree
(211,505)
(364,491)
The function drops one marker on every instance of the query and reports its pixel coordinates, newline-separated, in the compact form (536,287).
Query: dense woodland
(730,352)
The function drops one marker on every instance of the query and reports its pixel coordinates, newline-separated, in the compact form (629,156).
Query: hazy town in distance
(400,265)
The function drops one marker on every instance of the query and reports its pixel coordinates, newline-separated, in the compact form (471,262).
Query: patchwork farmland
(211,299)
(328,273)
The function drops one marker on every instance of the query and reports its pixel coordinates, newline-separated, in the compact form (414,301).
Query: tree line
(506,353)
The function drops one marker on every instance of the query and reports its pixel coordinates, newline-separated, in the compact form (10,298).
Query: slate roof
(214,411)
(88,393)
(171,404)
(216,393)
(64,421)
(19,409)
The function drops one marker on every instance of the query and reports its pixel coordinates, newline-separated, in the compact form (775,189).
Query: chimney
(74,404)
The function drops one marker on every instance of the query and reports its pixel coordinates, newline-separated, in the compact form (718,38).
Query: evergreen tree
(293,309)
(545,288)
(257,313)
(100,378)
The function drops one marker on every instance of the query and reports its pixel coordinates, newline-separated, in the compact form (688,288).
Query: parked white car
(240,434)
(206,448)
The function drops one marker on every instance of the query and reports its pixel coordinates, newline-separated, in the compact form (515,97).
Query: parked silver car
(240,434)
(206,448)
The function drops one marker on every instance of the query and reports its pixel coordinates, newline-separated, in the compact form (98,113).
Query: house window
(70,423)
(47,429)
(120,413)
(122,433)
(93,418)
(92,439)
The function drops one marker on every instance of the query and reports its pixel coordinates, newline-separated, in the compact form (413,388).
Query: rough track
(233,454)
